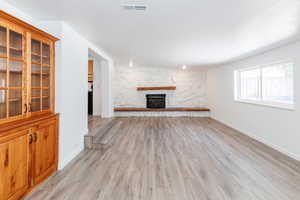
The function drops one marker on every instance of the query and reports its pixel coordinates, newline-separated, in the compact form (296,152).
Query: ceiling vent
(134,7)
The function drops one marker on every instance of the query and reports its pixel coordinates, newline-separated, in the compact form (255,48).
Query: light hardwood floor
(176,159)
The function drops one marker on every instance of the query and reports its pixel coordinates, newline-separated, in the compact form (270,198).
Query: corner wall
(275,127)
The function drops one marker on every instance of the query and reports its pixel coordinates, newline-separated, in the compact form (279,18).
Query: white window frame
(275,104)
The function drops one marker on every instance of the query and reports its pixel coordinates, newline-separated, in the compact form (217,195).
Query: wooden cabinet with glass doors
(26,73)
(28,122)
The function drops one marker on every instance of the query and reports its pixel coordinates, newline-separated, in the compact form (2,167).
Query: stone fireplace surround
(190,89)
(167,111)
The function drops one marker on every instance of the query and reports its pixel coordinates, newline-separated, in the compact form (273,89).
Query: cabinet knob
(30,139)
(30,109)
(6,161)
(26,108)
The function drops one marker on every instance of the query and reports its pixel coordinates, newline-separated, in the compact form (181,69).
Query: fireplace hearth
(156,100)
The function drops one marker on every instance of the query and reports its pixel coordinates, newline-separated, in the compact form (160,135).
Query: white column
(107,98)
(97,89)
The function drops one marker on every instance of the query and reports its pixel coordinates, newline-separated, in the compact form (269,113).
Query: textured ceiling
(176,32)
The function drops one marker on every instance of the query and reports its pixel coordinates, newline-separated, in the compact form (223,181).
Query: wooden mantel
(156,88)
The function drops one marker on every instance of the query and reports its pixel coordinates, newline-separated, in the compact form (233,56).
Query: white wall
(6,7)
(71,82)
(275,127)
(190,92)
(72,93)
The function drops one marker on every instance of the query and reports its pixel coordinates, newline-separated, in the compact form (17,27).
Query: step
(103,137)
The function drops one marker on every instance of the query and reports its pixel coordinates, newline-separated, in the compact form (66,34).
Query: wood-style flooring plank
(174,159)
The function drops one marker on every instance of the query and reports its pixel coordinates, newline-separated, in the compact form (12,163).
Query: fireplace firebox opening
(156,100)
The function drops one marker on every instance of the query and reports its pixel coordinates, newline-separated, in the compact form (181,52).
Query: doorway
(99,80)
(90,85)
(95,85)
(99,99)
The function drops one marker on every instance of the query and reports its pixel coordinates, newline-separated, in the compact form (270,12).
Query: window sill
(268,104)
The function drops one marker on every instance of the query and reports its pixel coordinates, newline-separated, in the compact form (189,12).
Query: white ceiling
(176,32)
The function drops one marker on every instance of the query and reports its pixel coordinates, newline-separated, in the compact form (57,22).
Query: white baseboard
(63,163)
(262,140)
(69,158)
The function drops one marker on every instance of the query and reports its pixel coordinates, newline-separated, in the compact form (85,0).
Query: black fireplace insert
(156,100)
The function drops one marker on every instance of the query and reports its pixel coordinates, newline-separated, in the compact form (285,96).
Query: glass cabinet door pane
(15,73)
(3,45)
(35,51)
(46,54)
(35,75)
(36,80)
(46,66)
(46,100)
(35,100)
(15,102)
(46,78)
(3,70)
(2,104)
(15,45)
(35,93)
(46,103)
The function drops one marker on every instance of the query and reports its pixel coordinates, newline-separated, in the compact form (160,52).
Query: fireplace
(156,100)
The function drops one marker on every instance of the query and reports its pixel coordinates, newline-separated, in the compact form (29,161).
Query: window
(267,85)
